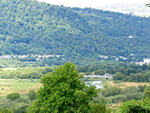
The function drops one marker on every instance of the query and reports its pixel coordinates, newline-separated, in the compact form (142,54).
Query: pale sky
(92,3)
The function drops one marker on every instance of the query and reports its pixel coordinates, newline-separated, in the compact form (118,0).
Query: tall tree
(63,92)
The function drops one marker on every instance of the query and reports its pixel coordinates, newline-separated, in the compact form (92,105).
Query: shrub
(13,96)
(25,100)
(4,110)
(138,96)
(129,90)
(135,106)
(32,95)
(146,92)
(20,107)
(98,107)
(130,96)
(119,98)
(111,91)
(141,88)
(100,99)
(116,99)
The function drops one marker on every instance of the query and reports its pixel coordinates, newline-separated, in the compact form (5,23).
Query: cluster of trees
(138,77)
(31,27)
(16,103)
(120,71)
(113,94)
(31,62)
(63,91)
(25,73)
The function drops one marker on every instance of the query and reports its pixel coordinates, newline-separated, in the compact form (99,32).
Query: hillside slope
(123,34)
(30,27)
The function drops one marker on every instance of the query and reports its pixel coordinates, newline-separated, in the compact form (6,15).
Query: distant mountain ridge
(31,27)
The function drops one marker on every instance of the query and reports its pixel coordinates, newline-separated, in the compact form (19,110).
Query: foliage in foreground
(135,106)
(63,91)
(4,110)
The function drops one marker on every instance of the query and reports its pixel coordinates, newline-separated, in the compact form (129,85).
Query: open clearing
(22,86)
(128,84)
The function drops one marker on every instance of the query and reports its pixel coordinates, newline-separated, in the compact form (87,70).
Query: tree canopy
(63,92)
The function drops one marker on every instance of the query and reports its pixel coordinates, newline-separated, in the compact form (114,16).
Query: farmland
(22,86)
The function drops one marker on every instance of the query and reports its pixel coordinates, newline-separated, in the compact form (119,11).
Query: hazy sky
(92,3)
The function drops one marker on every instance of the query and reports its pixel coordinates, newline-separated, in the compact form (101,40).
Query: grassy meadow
(23,86)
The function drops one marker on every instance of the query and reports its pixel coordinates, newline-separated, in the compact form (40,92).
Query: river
(96,83)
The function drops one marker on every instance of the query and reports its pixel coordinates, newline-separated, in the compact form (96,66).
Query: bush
(134,96)
(32,95)
(138,96)
(98,107)
(119,98)
(4,110)
(25,100)
(20,107)
(116,99)
(146,92)
(141,88)
(100,99)
(111,91)
(129,90)
(13,96)
(135,106)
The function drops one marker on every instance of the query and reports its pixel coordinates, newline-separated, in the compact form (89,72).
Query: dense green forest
(31,27)
(120,71)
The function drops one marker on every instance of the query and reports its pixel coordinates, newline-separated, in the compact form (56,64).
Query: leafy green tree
(32,95)
(13,96)
(135,106)
(118,76)
(99,72)
(63,92)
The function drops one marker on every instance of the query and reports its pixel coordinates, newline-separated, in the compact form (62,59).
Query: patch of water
(96,83)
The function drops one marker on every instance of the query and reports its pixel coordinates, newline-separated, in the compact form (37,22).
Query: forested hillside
(117,33)
(38,28)
(30,27)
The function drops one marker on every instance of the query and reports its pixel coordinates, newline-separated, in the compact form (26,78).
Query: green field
(23,86)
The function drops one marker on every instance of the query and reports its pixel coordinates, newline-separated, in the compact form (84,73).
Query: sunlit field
(22,86)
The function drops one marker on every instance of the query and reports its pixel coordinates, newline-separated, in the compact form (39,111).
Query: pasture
(127,84)
(22,86)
